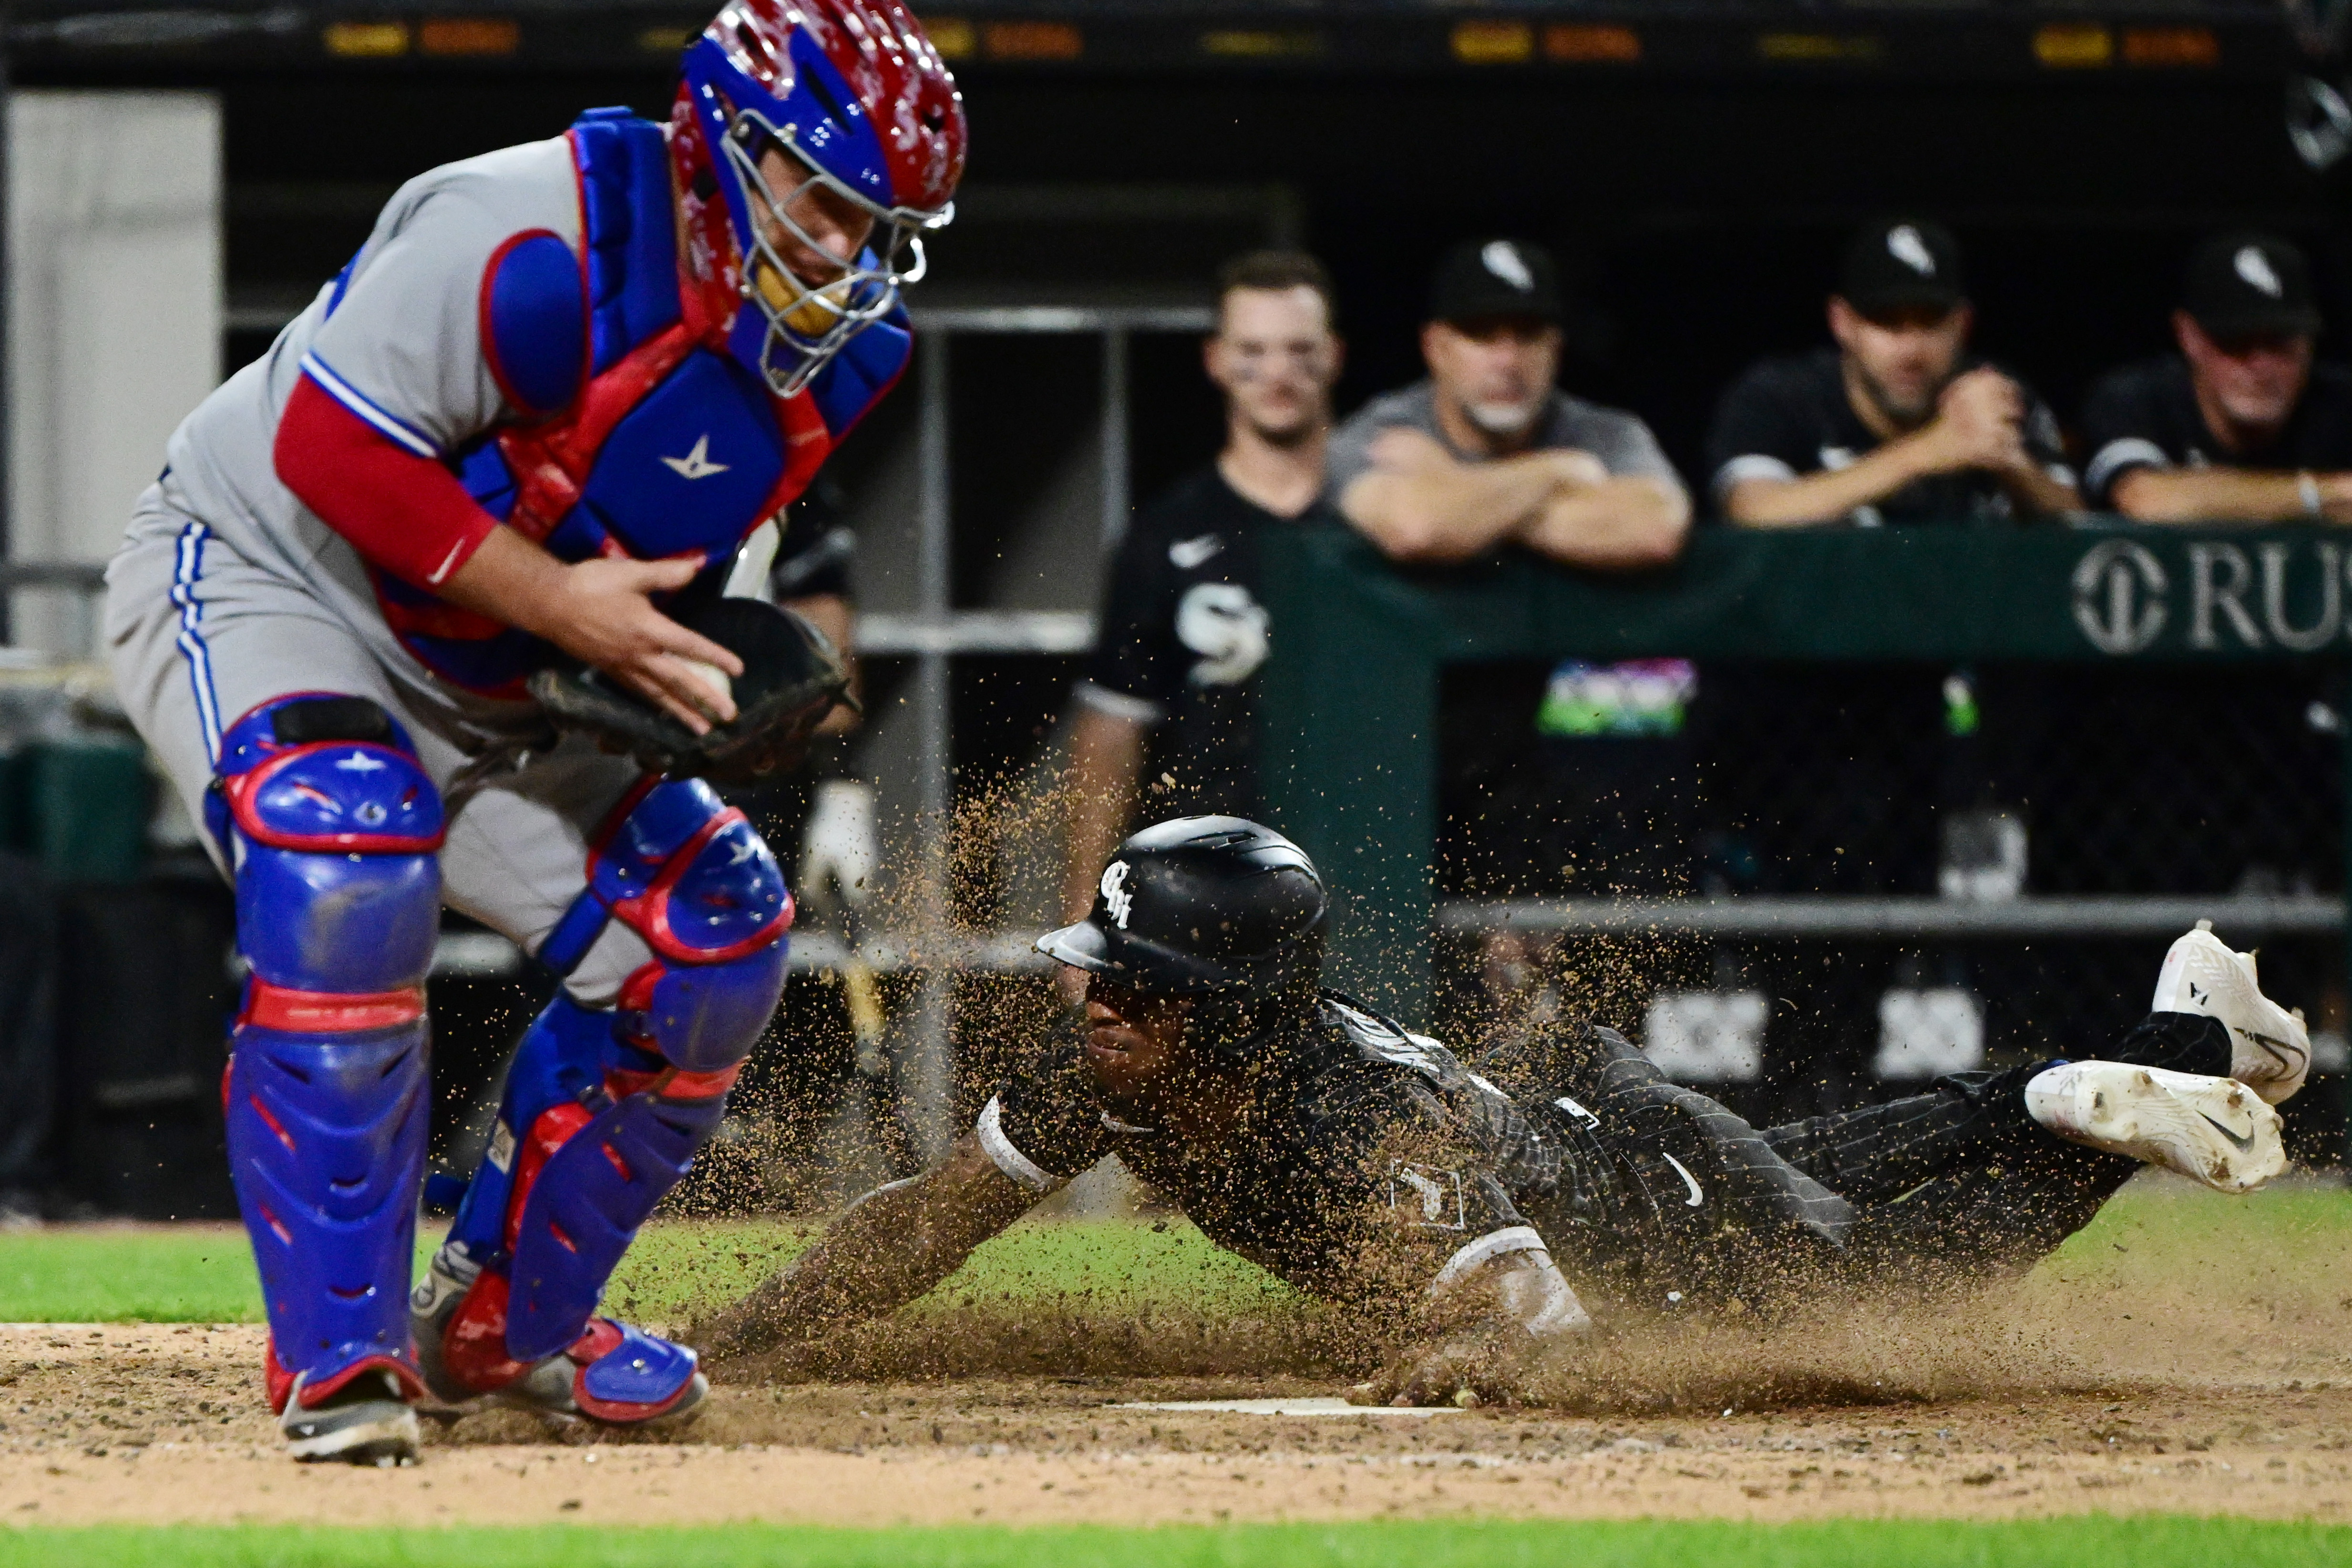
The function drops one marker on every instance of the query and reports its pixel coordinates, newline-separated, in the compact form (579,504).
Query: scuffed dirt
(161,1423)
(2174,1363)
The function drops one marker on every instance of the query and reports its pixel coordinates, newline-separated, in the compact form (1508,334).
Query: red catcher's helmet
(853,91)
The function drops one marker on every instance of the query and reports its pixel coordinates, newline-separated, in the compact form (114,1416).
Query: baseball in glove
(792,677)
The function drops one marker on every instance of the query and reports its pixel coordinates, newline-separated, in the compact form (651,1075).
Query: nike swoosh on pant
(2245,1145)
(1696,1196)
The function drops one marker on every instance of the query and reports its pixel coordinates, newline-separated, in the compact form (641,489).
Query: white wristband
(2308,488)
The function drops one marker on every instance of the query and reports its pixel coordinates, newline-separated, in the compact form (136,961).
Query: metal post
(1114,438)
(927,1068)
(7,421)
(2340,1135)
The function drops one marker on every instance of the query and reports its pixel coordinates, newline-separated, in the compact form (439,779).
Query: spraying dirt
(2210,1379)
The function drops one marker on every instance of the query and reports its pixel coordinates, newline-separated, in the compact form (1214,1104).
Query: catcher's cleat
(613,1375)
(366,1421)
(2270,1049)
(2212,1130)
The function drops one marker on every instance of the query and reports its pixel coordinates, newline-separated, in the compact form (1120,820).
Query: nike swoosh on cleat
(2287,1054)
(1696,1196)
(2245,1144)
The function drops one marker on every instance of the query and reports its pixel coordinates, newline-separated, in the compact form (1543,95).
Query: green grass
(204,1273)
(2090,1542)
(197,1273)
(2167,1222)
(1110,1263)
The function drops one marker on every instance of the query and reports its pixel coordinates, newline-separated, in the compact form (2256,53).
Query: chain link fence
(1890,870)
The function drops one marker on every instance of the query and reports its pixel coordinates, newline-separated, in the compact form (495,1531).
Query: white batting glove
(839,844)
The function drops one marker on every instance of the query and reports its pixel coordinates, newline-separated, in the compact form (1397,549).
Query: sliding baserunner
(1492,1201)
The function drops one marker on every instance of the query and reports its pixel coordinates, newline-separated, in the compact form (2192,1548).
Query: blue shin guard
(327,1134)
(332,825)
(585,1207)
(605,1110)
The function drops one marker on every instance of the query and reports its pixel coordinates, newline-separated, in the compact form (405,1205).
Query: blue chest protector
(645,430)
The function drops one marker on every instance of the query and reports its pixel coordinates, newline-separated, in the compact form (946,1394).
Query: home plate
(1303,1406)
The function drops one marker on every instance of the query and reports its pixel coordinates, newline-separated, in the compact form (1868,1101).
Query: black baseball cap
(2244,284)
(1483,279)
(1902,264)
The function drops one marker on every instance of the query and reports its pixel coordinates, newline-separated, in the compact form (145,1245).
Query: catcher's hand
(792,677)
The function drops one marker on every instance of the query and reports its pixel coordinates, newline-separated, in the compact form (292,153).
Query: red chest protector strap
(550,461)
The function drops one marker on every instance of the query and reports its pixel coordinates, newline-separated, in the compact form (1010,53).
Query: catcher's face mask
(824,260)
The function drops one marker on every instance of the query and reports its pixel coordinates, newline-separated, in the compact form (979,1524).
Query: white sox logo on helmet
(1117,900)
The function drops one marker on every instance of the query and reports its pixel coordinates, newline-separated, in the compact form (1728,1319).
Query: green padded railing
(1352,689)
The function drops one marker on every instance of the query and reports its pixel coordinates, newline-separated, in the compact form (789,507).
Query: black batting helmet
(1203,907)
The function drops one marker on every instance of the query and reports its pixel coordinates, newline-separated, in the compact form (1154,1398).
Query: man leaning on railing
(1489,452)
(2241,425)
(1897,423)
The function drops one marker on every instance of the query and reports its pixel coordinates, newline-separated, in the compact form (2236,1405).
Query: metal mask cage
(857,296)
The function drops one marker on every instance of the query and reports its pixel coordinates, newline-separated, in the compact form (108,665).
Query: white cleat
(2270,1049)
(2212,1130)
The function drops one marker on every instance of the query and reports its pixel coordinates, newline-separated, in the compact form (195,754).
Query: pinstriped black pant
(1961,1175)
(1672,1193)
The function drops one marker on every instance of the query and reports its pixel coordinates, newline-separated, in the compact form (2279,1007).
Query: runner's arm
(1495,1301)
(890,1247)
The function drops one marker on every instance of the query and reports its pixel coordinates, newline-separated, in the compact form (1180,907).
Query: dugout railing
(1370,659)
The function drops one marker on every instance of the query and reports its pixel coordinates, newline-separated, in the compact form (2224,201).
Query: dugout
(2238,635)
(1697,170)
(1697,167)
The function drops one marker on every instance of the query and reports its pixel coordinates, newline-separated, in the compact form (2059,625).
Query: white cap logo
(1501,258)
(1904,244)
(1115,898)
(2255,269)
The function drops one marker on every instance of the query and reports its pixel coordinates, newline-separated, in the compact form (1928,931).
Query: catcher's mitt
(792,677)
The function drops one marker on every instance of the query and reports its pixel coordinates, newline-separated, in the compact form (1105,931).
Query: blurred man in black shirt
(1182,632)
(2239,425)
(1898,422)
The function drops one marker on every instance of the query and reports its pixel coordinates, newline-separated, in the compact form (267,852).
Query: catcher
(1494,1206)
(484,489)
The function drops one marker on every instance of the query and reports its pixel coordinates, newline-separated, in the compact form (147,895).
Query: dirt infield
(2188,1354)
(162,1424)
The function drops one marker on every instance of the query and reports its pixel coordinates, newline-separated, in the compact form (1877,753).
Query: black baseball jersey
(1368,1161)
(813,557)
(1786,418)
(2146,417)
(1183,636)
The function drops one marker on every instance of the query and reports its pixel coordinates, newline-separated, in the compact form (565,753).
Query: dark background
(1700,210)
(1699,200)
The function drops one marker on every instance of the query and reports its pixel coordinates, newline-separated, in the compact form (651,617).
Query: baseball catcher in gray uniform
(479,498)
